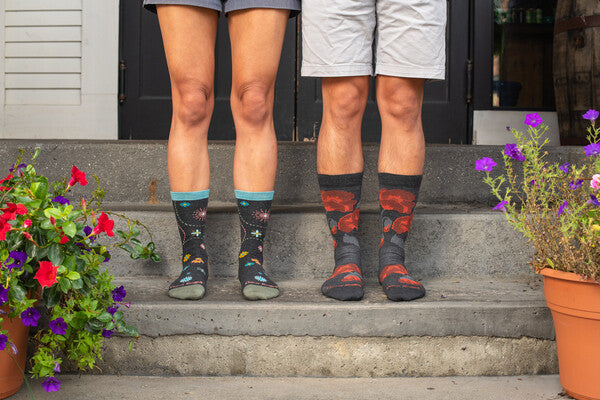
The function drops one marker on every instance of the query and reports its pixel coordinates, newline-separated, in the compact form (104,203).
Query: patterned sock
(190,211)
(341,199)
(397,199)
(254,209)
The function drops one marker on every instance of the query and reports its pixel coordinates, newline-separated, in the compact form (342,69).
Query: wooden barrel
(576,66)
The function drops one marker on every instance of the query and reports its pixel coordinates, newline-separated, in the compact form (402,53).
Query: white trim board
(59,69)
(490,127)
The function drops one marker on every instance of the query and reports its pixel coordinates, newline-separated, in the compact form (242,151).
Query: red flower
(52,221)
(46,275)
(64,240)
(402,224)
(77,176)
(338,200)
(349,222)
(4,226)
(8,177)
(104,225)
(11,210)
(27,236)
(27,223)
(397,200)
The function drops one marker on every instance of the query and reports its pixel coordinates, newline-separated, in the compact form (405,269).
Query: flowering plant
(554,205)
(51,269)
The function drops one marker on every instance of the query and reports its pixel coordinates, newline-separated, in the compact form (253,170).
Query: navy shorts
(227,6)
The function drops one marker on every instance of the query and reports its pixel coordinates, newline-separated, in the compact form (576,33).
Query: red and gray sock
(190,212)
(341,200)
(397,199)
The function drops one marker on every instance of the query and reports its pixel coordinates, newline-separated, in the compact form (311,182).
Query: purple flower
(594,200)
(508,128)
(565,167)
(56,367)
(51,384)
(3,341)
(500,206)
(513,152)
(58,326)
(112,310)
(3,295)
(591,115)
(576,184)
(88,231)
(533,120)
(106,257)
(30,317)
(119,293)
(107,333)
(18,169)
(485,164)
(592,149)
(61,200)
(561,209)
(18,257)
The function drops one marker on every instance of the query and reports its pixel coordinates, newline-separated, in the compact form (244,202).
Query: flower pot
(575,306)
(11,377)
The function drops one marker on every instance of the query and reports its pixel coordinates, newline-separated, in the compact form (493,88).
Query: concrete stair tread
(92,387)
(451,307)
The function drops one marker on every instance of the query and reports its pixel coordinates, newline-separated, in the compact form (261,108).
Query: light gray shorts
(227,6)
(404,38)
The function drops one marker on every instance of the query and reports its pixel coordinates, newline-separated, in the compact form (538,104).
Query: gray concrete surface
(443,242)
(545,387)
(471,308)
(135,171)
(329,356)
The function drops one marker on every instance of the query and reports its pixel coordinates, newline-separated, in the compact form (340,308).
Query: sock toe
(344,293)
(259,292)
(189,292)
(404,293)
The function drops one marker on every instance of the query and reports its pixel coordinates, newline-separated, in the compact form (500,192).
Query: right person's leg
(189,35)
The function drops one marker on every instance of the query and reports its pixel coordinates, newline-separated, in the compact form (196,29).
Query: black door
(445,109)
(145,91)
(145,112)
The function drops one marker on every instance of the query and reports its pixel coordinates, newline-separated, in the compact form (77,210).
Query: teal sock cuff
(259,196)
(180,196)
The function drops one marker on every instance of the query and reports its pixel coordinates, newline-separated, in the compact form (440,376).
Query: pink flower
(595,182)
(46,275)
(77,176)
(104,225)
(27,223)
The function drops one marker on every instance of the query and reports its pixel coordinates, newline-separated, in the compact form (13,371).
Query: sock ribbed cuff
(340,181)
(396,181)
(256,196)
(181,196)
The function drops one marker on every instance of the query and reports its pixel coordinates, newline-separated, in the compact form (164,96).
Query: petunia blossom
(104,225)
(61,200)
(591,115)
(46,275)
(3,294)
(533,120)
(592,149)
(485,164)
(30,317)
(118,294)
(58,326)
(51,384)
(18,257)
(512,151)
(77,176)
(112,310)
(500,206)
(3,342)
(107,333)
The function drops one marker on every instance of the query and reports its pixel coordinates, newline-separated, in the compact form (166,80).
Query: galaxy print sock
(341,200)
(254,209)
(397,198)
(190,211)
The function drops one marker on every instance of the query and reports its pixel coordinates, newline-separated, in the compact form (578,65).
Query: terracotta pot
(575,306)
(11,377)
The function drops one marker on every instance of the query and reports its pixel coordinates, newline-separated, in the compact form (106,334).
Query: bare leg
(189,35)
(339,149)
(256,42)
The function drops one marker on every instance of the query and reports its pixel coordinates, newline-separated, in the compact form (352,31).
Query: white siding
(58,68)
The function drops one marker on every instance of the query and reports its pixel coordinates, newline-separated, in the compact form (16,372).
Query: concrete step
(545,387)
(443,242)
(135,171)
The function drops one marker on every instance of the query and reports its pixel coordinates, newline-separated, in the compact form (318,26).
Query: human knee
(195,105)
(252,102)
(345,102)
(400,102)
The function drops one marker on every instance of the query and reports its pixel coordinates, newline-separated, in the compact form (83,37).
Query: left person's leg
(256,42)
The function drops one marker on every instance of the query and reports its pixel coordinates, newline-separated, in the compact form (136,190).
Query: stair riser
(329,356)
(136,171)
(299,245)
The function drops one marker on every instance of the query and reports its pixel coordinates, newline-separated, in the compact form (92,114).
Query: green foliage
(81,294)
(552,204)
